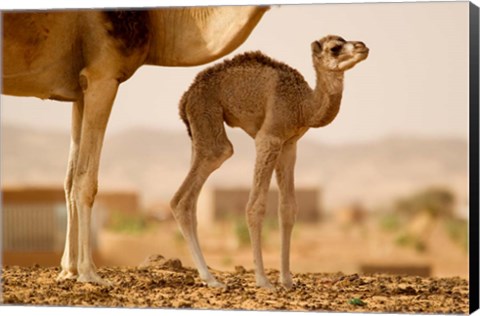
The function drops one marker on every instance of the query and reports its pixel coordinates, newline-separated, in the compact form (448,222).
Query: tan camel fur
(83,56)
(274,105)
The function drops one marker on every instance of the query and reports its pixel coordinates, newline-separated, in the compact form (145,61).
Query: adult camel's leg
(99,94)
(70,253)
(284,171)
(268,149)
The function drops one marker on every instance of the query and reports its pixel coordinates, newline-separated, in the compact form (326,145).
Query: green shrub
(409,240)
(457,230)
(390,222)
(241,232)
(121,222)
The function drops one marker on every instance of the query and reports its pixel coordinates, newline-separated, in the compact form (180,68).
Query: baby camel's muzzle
(360,47)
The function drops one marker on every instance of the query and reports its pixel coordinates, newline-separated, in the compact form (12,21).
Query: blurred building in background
(218,203)
(35,221)
(33,226)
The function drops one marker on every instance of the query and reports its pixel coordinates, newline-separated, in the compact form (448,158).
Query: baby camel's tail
(183,113)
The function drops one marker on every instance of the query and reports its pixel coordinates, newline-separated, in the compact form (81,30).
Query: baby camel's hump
(243,88)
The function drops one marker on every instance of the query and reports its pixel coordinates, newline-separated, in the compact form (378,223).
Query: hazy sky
(415,81)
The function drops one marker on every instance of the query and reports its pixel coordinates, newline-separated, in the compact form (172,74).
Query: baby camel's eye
(336,49)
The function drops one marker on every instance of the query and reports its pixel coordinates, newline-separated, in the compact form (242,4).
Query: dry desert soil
(161,283)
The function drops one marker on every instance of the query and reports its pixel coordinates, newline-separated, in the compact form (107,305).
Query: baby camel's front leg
(287,209)
(268,149)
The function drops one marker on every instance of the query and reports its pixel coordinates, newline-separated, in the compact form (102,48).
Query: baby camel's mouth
(363,52)
(360,48)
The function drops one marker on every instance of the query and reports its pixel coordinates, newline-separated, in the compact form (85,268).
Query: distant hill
(154,163)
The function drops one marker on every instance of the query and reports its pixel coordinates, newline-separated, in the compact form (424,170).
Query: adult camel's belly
(41,55)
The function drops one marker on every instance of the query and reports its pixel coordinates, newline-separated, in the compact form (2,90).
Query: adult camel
(83,56)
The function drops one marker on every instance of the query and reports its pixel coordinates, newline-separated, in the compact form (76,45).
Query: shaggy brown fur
(248,59)
(256,59)
(274,104)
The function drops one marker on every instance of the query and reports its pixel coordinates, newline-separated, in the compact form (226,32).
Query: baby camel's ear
(316,47)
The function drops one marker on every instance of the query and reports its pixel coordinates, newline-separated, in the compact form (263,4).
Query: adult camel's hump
(198,35)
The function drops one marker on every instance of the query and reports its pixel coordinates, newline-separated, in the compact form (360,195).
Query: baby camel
(273,104)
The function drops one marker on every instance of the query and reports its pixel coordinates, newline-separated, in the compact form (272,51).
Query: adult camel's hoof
(66,275)
(93,277)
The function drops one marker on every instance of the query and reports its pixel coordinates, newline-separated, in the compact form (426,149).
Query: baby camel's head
(333,53)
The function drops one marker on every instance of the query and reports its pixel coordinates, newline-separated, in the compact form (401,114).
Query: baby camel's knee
(214,156)
(288,218)
(255,212)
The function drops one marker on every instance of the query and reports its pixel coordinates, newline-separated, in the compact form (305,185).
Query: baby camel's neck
(324,103)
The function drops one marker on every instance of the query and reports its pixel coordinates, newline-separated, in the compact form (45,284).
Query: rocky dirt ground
(166,283)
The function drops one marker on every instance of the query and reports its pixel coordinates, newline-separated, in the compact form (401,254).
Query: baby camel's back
(242,88)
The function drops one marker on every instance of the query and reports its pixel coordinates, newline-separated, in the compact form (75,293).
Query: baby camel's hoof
(215,284)
(265,284)
(287,286)
(287,283)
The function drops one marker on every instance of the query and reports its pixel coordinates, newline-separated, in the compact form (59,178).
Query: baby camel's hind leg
(211,148)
